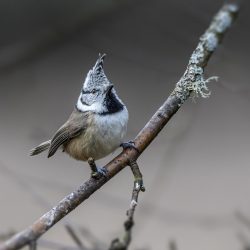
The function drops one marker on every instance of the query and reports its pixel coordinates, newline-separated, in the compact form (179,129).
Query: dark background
(197,172)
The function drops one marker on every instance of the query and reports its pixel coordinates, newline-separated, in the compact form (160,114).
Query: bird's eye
(93,91)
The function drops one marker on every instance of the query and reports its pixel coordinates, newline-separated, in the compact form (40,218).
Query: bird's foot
(129,144)
(100,172)
(96,172)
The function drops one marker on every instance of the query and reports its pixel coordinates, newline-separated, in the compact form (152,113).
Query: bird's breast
(102,136)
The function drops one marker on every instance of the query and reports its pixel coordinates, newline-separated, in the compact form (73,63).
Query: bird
(97,125)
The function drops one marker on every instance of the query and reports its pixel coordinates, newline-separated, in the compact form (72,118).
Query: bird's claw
(99,172)
(129,144)
(96,172)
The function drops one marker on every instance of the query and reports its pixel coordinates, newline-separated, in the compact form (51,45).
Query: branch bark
(191,83)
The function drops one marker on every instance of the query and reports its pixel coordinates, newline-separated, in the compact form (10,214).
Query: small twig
(96,244)
(246,222)
(55,245)
(243,219)
(6,235)
(33,245)
(123,244)
(74,236)
(244,241)
(172,245)
(191,83)
(137,176)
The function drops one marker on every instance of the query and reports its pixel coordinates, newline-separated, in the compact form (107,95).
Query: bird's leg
(129,144)
(138,180)
(96,172)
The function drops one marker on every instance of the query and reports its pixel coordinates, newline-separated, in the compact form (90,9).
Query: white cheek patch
(80,105)
(96,106)
(88,99)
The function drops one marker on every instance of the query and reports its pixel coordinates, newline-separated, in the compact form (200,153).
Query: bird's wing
(75,125)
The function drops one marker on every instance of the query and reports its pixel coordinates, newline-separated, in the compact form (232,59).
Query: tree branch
(191,83)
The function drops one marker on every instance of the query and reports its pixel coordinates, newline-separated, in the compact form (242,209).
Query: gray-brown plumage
(40,148)
(97,125)
(75,126)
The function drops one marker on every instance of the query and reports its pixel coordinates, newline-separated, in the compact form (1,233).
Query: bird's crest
(96,76)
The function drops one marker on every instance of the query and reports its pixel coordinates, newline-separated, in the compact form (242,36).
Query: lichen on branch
(193,82)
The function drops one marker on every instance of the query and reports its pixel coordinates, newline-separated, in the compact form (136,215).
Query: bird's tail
(40,148)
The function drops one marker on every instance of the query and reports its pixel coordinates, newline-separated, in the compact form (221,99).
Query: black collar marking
(113,105)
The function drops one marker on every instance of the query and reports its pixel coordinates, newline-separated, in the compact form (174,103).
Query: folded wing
(76,125)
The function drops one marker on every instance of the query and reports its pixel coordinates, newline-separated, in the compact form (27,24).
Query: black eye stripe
(90,92)
(86,92)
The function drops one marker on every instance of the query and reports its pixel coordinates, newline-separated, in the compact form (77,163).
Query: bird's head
(98,94)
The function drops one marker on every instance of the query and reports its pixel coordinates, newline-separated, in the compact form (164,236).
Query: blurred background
(197,171)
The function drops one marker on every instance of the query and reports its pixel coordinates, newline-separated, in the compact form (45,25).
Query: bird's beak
(109,88)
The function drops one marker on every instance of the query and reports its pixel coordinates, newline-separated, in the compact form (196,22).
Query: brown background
(197,171)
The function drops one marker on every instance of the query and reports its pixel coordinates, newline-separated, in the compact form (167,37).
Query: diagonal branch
(191,83)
